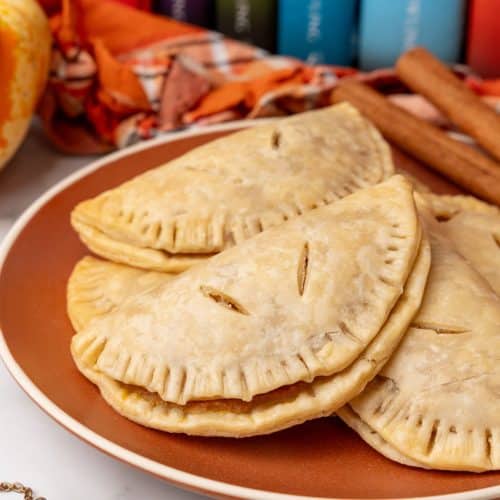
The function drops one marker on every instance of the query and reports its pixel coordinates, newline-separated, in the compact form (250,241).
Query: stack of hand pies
(283,273)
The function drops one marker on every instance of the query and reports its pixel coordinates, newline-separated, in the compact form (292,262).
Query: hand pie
(436,403)
(248,342)
(476,236)
(97,286)
(473,226)
(371,437)
(444,206)
(276,410)
(269,311)
(228,190)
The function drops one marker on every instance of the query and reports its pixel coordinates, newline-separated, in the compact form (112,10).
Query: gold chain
(19,488)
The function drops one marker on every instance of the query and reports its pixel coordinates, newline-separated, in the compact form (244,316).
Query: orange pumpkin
(24,62)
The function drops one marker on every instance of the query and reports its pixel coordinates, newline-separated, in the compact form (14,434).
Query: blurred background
(104,74)
(367,34)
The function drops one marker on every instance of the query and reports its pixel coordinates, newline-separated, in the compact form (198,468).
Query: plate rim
(176,476)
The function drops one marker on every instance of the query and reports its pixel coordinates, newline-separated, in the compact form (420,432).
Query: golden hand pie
(436,402)
(279,409)
(476,236)
(474,228)
(96,287)
(230,189)
(374,439)
(295,302)
(265,413)
(446,206)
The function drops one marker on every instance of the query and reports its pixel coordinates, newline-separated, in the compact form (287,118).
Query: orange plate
(322,458)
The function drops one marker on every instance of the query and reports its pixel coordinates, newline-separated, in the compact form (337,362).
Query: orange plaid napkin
(120,75)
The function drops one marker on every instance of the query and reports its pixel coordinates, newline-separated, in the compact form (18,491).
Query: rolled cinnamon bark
(462,164)
(425,74)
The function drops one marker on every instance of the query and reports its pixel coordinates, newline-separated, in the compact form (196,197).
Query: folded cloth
(121,75)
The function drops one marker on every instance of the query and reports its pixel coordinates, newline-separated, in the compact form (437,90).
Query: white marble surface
(33,449)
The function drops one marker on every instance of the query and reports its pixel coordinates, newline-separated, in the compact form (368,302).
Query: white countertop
(33,448)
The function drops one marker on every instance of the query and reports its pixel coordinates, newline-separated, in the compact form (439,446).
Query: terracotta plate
(318,459)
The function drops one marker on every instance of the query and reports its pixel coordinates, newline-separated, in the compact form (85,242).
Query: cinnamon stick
(462,164)
(426,75)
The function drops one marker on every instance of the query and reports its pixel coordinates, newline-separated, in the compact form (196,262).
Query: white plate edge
(123,454)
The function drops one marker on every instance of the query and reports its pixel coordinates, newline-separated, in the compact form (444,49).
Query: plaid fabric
(120,75)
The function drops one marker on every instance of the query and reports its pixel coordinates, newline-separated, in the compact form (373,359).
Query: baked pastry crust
(436,401)
(447,206)
(298,301)
(473,226)
(96,287)
(354,421)
(124,253)
(269,412)
(476,236)
(230,189)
